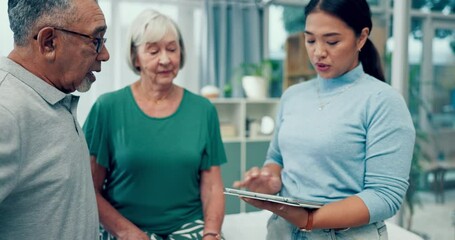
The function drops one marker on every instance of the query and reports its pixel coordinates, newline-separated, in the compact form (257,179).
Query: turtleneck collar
(330,84)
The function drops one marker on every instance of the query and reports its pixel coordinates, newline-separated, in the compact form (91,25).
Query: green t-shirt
(153,164)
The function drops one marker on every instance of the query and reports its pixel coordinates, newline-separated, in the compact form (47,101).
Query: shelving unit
(240,123)
(297,66)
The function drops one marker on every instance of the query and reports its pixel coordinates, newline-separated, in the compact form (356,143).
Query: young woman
(344,139)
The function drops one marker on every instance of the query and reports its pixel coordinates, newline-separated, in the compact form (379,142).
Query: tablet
(272,198)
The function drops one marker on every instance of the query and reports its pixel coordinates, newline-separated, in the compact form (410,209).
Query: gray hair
(150,26)
(27,16)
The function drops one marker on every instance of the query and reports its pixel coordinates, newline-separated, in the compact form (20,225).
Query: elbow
(385,201)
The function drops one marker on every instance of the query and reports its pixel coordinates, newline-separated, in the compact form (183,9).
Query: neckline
(158,101)
(138,108)
(330,85)
(325,99)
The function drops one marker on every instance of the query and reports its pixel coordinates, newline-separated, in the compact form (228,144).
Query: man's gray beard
(85,85)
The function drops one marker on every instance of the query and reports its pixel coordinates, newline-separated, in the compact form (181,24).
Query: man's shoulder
(13,92)
(3,75)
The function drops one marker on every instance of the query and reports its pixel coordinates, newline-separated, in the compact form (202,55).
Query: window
(7,34)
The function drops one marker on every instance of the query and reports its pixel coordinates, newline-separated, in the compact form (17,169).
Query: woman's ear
(363,38)
(136,62)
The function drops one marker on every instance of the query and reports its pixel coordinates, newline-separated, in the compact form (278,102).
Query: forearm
(214,212)
(111,219)
(212,197)
(350,212)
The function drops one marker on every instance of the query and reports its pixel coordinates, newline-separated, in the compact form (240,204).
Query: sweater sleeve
(389,148)
(273,152)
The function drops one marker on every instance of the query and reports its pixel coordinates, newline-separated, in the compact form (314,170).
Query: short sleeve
(214,154)
(96,133)
(9,153)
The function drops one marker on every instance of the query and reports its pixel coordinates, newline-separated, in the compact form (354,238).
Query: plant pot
(255,87)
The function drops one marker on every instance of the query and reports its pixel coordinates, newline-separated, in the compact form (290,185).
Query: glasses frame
(99,41)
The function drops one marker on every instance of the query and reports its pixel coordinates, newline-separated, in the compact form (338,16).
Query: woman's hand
(133,234)
(294,215)
(265,180)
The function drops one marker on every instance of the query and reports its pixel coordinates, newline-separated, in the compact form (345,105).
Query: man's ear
(47,42)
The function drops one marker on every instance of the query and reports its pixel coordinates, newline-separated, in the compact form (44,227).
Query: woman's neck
(156,93)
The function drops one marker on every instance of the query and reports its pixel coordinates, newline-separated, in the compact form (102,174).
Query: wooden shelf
(297,65)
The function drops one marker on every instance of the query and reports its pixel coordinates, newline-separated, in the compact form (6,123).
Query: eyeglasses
(97,41)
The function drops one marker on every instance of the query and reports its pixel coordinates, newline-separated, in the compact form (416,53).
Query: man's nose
(103,55)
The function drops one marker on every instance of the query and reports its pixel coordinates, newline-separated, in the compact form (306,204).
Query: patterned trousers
(189,231)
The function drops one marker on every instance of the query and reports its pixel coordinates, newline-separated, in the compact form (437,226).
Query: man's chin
(85,85)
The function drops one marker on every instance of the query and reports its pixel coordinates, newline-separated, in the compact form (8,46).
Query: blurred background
(224,37)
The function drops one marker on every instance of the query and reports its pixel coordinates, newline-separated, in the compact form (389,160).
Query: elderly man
(46,190)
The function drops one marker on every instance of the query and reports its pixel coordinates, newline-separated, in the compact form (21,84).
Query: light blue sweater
(360,143)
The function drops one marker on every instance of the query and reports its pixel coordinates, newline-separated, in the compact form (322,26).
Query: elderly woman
(155,147)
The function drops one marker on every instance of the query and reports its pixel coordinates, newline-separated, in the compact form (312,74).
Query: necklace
(322,104)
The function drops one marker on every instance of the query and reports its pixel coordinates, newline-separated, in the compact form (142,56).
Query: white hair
(150,26)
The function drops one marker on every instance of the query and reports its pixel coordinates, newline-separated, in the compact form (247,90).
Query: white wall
(6,41)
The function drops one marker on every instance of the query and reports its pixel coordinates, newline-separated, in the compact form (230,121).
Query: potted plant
(227,89)
(255,78)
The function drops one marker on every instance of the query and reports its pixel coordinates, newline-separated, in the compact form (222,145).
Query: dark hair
(357,15)
(25,16)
